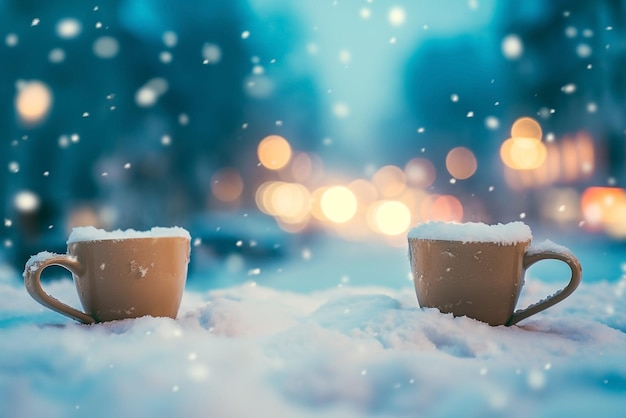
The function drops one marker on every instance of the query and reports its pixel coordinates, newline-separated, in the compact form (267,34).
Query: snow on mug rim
(91,233)
(509,233)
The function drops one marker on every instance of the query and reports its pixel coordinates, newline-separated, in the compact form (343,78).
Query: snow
(547,246)
(337,348)
(33,262)
(90,233)
(510,233)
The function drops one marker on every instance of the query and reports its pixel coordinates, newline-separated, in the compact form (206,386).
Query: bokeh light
(33,101)
(445,208)
(290,202)
(227,184)
(397,16)
(391,217)
(338,204)
(420,173)
(512,47)
(316,204)
(527,128)
(106,47)
(68,28)
(274,152)
(211,53)
(364,191)
(604,208)
(389,180)
(523,153)
(461,163)
(26,201)
(524,149)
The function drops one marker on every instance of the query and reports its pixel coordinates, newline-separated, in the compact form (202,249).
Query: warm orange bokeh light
(226,184)
(420,173)
(524,149)
(316,203)
(605,208)
(290,202)
(274,152)
(389,180)
(441,208)
(390,217)
(364,191)
(526,128)
(461,163)
(33,102)
(263,197)
(521,153)
(338,204)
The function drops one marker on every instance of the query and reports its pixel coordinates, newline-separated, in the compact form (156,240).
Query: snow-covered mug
(119,274)
(477,270)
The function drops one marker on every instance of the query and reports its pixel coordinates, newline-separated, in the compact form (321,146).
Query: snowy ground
(336,333)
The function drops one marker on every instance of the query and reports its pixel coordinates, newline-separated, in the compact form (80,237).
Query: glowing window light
(527,128)
(33,101)
(420,173)
(614,219)
(274,152)
(338,204)
(553,163)
(389,180)
(461,163)
(26,201)
(570,160)
(226,184)
(584,143)
(596,202)
(391,217)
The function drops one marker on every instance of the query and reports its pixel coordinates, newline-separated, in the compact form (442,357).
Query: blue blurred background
(261,125)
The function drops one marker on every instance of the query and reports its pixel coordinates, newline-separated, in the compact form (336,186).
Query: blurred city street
(352,120)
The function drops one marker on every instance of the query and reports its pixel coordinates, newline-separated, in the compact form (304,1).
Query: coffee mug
(119,274)
(477,270)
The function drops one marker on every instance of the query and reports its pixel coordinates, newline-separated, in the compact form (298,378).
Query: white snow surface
(91,233)
(351,347)
(547,245)
(509,233)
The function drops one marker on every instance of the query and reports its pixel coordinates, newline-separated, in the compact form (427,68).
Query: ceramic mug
(477,270)
(119,275)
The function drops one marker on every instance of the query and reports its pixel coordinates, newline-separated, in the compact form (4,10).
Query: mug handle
(530,258)
(32,280)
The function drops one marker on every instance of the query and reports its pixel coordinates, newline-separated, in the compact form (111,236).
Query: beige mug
(118,275)
(477,270)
